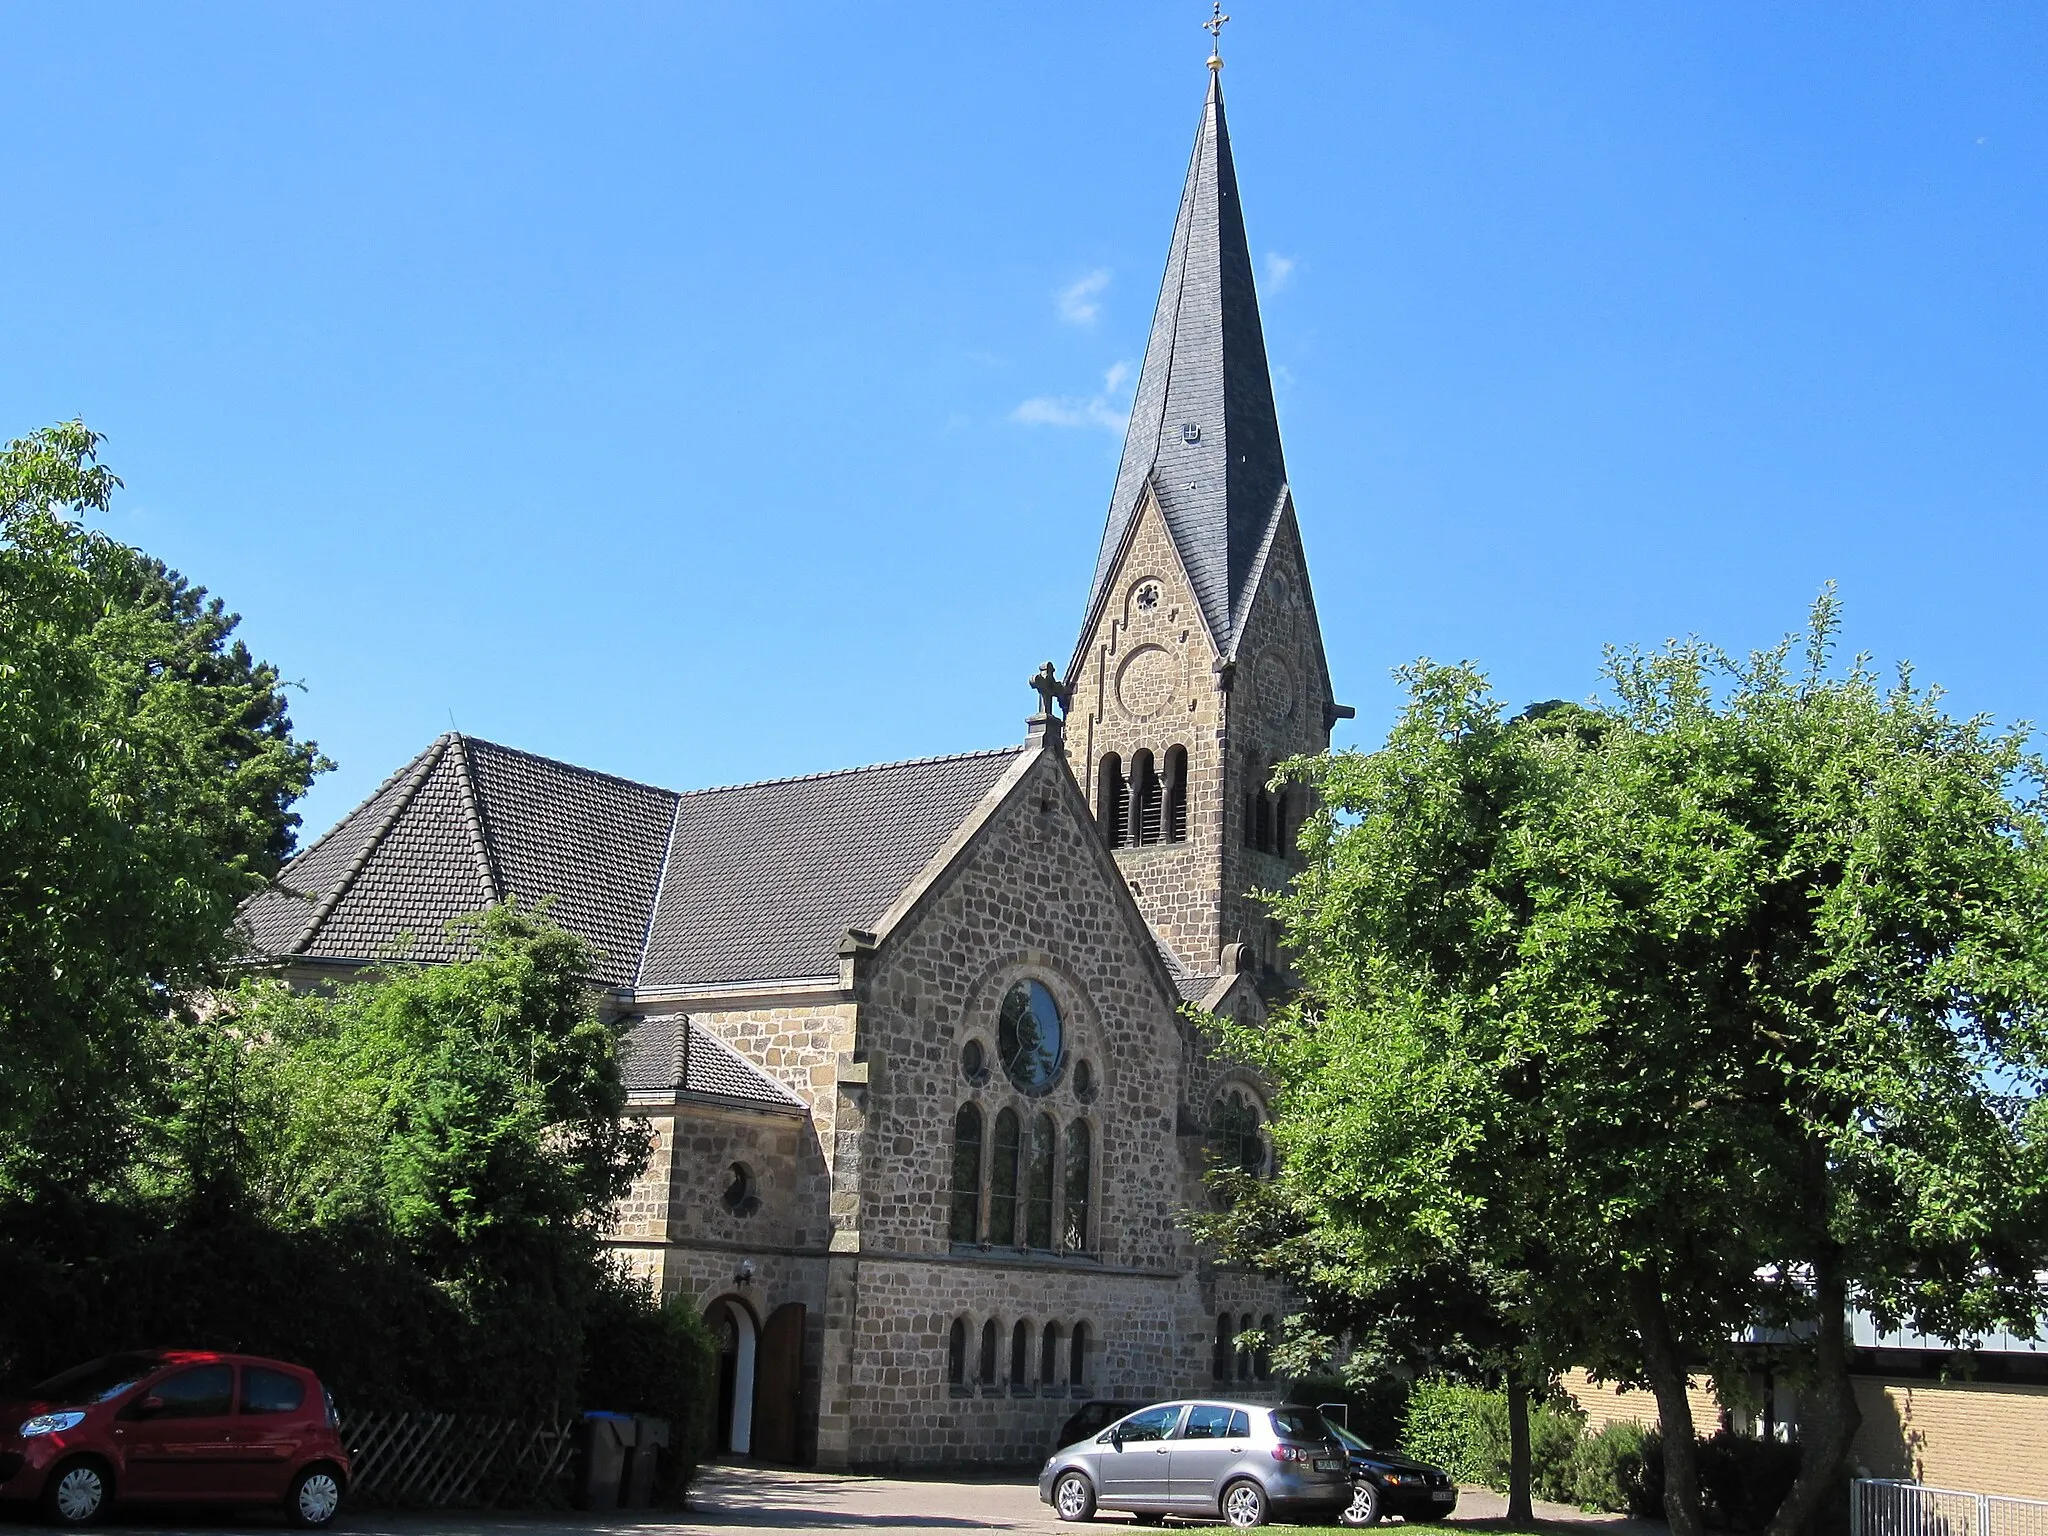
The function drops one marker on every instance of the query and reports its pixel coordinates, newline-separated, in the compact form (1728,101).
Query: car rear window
(268,1391)
(96,1380)
(1299,1424)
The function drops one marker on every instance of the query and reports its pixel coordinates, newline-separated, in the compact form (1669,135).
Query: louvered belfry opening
(1146,800)
(1112,800)
(1176,778)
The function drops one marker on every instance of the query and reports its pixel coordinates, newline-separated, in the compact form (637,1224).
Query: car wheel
(1244,1504)
(1073,1497)
(78,1492)
(315,1497)
(1364,1508)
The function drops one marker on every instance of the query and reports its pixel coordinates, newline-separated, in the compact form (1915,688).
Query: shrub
(1462,1429)
(1607,1469)
(1742,1482)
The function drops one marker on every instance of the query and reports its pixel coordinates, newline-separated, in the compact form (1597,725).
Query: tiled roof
(752,882)
(764,879)
(672,1053)
(1203,428)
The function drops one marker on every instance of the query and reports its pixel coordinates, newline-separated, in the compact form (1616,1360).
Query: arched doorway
(732,1324)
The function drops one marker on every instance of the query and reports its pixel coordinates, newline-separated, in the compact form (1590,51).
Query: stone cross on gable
(1044,728)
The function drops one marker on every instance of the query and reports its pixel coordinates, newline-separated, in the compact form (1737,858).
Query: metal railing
(1887,1507)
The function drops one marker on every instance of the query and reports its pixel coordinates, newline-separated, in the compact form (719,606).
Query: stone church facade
(925,1103)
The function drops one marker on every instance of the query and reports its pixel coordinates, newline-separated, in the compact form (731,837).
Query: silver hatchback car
(1242,1461)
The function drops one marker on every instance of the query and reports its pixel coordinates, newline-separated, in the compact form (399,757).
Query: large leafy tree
(147,770)
(1702,1008)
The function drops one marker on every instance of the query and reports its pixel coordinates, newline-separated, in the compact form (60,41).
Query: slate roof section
(763,880)
(673,1053)
(753,882)
(1205,369)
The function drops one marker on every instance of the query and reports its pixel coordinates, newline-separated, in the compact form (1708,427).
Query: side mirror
(1116,1438)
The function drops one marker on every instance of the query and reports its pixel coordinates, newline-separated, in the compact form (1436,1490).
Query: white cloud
(1069,411)
(1081,300)
(1279,270)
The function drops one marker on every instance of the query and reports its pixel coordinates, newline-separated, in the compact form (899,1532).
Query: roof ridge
(840,773)
(473,819)
(418,771)
(560,762)
(668,850)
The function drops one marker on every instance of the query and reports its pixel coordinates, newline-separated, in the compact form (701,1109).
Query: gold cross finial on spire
(1214,27)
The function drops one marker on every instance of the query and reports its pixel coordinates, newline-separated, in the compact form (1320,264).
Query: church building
(924,1104)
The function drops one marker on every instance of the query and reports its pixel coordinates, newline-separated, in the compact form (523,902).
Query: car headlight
(51,1423)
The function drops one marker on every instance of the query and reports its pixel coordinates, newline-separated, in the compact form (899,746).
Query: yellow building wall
(1978,1437)
(1604,1403)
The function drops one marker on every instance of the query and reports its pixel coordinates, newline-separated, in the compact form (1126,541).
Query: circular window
(1029,1037)
(740,1197)
(974,1062)
(1084,1082)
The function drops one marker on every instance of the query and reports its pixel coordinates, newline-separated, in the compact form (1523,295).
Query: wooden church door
(779,1383)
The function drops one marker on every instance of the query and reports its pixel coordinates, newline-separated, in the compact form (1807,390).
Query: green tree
(147,769)
(1700,1009)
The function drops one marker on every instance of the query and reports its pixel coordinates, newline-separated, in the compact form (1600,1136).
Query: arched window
(1020,1355)
(1244,1356)
(1112,800)
(1049,1356)
(1251,818)
(1077,1357)
(988,1353)
(1080,1177)
(1002,1181)
(1176,785)
(956,1354)
(1262,1362)
(1262,833)
(965,1225)
(1145,799)
(1226,1337)
(1038,1184)
(1234,1139)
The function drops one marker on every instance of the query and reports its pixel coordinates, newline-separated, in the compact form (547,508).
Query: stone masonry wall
(1147,680)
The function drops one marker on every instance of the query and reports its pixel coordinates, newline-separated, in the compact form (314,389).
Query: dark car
(1090,1420)
(1383,1483)
(174,1426)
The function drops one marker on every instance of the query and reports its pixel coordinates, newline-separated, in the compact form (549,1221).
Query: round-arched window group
(1024,1359)
(1146,803)
(1023,1180)
(1237,1134)
(1233,1360)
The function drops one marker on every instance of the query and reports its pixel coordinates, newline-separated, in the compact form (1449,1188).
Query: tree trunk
(1519,1507)
(1674,1409)
(1829,1420)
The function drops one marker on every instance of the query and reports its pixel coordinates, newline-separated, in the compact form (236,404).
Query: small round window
(1029,1037)
(741,1197)
(1084,1082)
(974,1063)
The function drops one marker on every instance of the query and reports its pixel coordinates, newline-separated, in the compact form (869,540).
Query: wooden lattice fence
(438,1460)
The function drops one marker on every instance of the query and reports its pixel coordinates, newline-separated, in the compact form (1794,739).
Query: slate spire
(1203,430)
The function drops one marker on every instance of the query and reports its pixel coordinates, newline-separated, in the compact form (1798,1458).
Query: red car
(175,1426)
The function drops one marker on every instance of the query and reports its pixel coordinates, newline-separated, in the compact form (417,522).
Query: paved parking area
(778,1499)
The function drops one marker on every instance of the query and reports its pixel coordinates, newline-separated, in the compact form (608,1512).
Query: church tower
(1200,662)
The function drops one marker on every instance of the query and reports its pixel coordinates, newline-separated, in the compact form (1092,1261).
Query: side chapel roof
(1204,433)
(746,883)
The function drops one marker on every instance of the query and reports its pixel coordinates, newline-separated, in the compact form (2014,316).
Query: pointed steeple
(1203,431)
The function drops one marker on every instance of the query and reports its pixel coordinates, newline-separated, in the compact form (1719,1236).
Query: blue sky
(717,392)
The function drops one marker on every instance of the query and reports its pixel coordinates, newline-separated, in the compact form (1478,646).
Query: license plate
(1328,1464)
(1443,1495)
